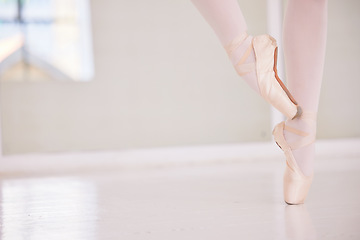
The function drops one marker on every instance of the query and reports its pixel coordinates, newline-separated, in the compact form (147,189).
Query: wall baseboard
(165,157)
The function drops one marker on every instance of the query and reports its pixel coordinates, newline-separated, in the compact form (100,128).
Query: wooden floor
(238,200)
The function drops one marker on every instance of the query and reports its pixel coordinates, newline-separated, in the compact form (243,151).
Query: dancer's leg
(305,28)
(224,16)
(227,21)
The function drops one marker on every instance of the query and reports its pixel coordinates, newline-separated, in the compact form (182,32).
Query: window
(45,39)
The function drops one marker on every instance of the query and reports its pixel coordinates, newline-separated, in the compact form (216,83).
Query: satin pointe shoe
(296,184)
(272,89)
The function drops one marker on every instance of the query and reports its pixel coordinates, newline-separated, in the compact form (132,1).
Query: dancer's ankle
(304,155)
(241,53)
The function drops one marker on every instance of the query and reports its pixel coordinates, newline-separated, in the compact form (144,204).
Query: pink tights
(304,37)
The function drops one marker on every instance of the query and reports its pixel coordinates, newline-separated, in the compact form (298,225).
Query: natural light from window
(45,39)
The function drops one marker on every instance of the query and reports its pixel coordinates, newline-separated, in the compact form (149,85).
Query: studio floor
(215,200)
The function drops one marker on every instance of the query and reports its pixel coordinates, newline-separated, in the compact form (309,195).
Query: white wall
(163,79)
(339,114)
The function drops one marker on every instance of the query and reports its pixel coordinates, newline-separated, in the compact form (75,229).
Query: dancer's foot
(297,180)
(255,59)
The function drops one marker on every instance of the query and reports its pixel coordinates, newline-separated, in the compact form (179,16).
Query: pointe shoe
(272,89)
(296,184)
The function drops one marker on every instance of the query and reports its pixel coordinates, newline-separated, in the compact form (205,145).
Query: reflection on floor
(240,200)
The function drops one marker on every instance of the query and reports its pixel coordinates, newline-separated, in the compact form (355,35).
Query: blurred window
(51,37)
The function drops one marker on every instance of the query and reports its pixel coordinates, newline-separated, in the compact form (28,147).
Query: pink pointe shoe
(296,184)
(271,87)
